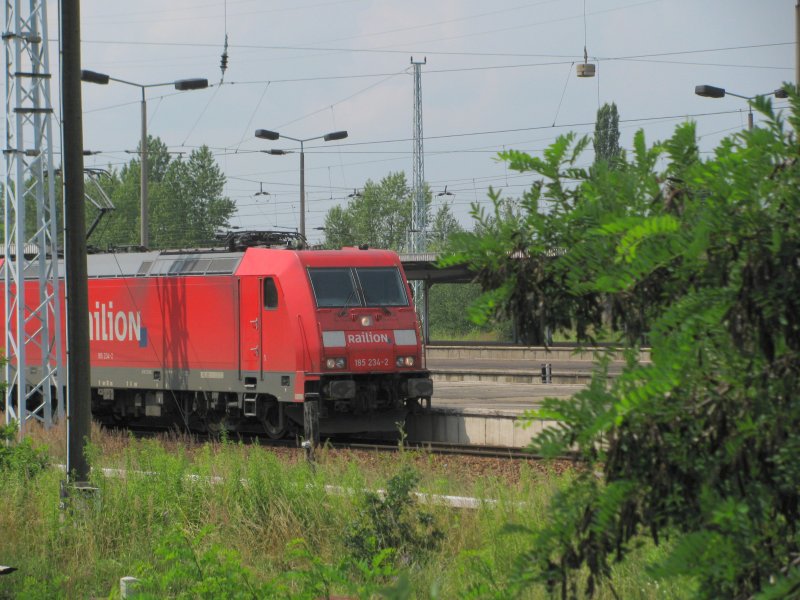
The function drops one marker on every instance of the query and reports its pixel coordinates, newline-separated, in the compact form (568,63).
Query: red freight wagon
(243,340)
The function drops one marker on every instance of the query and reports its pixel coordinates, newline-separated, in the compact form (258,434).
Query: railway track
(366,445)
(441,448)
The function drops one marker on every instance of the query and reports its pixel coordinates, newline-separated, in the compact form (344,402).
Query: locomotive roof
(253,262)
(154,264)
(164,263)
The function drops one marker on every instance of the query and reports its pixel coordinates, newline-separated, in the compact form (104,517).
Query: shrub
(186,570)
(393,520)
(20,458)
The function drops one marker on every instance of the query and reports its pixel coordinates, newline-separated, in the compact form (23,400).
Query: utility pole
(797,47)
(419,213)
(266,134)
(79,406)
(180,85)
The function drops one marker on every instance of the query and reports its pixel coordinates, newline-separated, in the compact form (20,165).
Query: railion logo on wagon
(105,324)
(367,337)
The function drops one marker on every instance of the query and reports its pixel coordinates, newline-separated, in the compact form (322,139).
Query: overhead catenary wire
(345,99)
(221,151)
(637,58)
(247,129)
(563,92)
(433,153)
(354,155)
(497,30)
(299,7)
(200,116)
(626,123)
(406,51)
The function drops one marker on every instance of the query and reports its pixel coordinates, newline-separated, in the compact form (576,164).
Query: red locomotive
(245,338)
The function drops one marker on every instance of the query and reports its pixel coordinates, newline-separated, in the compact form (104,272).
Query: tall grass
(236,519)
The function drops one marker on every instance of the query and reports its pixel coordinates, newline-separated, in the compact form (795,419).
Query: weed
(20,458)
(185,570)
(393,520)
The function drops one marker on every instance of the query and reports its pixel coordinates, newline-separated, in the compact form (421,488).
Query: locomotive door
(250,325)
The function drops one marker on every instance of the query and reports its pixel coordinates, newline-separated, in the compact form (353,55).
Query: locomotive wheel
(274,422)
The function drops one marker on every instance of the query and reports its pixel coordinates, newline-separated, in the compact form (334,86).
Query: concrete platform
(442,372)
(511,397)
(517,364)
(481,391)
(484,414)
(436,351)
(475,427)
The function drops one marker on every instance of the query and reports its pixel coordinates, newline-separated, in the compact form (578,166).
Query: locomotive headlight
(366,321)
(335,363)
(405,361)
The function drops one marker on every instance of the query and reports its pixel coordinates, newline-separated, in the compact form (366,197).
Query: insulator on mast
(223,61)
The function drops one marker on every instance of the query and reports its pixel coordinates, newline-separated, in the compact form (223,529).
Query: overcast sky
(498,75)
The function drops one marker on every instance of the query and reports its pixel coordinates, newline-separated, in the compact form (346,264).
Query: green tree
(190,205)
(379,216)
(698,447)
(514,249)
(186,200)
(606,135)
(449,302)
(442,227)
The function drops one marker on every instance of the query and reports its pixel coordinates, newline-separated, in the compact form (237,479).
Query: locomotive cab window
(334,288)
(382,286)
(270,294)
(363,286)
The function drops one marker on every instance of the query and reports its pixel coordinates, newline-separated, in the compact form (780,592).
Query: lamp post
(710,91)
(181,85)
(266,134)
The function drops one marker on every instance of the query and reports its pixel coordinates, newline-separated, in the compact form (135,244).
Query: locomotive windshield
(333,287)
(342,287)
(382,286)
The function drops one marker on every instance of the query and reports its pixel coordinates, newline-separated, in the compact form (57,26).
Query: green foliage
(516,251)
(701,257)
(20,458)
(193,206)
(379,216)
(449,314)
(480,573)
(34,588)
(393,521)
(314,578)
(186,201)
(236,510)
(443,226)
(185,569)
(606,135)
(188,567)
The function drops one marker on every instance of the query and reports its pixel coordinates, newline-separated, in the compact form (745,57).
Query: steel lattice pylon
(33,371)
(419,210)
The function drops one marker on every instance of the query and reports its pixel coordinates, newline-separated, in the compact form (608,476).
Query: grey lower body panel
(276,384)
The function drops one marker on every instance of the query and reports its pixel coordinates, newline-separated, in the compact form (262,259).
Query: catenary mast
(419,212)
(33,370)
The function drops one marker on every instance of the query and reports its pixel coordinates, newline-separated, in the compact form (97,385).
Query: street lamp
(180,85)
(266,134)
(710,91)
